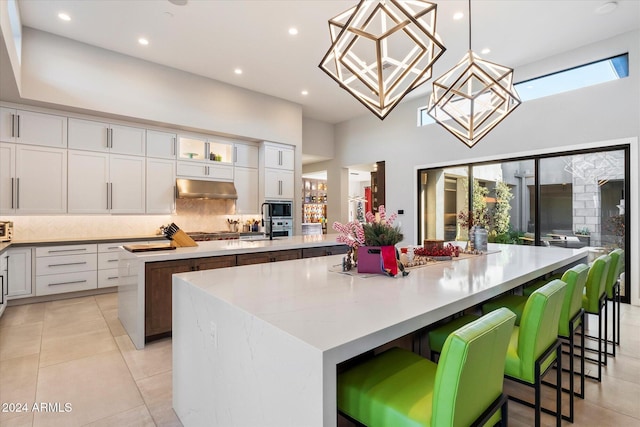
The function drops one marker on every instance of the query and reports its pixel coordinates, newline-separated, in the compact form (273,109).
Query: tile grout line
(127,365)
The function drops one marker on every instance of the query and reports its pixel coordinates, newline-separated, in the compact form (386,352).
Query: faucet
(270,218)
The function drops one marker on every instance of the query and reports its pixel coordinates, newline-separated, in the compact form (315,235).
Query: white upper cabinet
(104,137)
(245,156)
(127,176)
(205,149)
(161,181)
(278,184)
(7,179)
(28,127)
(161,145)
(104,183)
(246,183)
(88,182)
(278,157)
(41,180)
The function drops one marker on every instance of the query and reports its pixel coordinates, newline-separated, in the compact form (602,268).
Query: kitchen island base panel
(234,368)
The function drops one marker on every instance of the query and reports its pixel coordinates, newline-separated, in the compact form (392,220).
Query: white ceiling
(213,37)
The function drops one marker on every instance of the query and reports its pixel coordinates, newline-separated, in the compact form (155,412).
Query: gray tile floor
(75,351)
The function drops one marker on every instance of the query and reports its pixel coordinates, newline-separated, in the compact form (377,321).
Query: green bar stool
(571,317)
(613,295)
(399,388)
(535,346)
(594,302)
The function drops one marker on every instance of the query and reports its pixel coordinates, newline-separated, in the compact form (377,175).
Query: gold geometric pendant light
(473,97)
(383,49)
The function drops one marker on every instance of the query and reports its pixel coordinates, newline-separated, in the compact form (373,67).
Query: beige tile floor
(75,351)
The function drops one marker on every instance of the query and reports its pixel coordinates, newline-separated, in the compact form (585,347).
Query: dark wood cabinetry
(264,257)
(324,251)
(158,279)
(157,311)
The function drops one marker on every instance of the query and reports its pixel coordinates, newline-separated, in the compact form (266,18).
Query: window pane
(582,200)
(443,194)
(502,198)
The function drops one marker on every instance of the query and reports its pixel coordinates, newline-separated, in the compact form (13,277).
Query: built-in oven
(277,218)
(281,227)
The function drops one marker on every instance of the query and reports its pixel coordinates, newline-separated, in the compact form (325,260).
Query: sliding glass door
(570,200)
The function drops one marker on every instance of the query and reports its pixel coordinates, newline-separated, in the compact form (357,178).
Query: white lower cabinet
(108,255)
(68,268)
(18,272)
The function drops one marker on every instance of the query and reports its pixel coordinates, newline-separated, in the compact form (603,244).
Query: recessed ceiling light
(293,31)
(607,7)
(458,16)
(305,92)
(143,41)
(178,2)
(485,51)
(238,71)
(64,16)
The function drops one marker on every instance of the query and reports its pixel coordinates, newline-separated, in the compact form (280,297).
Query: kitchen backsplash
(191,215)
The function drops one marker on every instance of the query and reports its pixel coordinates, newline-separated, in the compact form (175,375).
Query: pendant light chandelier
(473,97)
(383,49)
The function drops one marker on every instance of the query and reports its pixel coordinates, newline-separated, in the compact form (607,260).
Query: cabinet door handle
(112,260)
(65,250)
(280,158)
(107,195)
(17,193)
(67,263)
(13,125)
(174,146)
(111,194)
(73,282)
(12,193)
(18,126)
(112,277)
(235,154)
(107,137)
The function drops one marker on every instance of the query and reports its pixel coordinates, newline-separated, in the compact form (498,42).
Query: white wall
(317,138)
(62,72)
(605,112)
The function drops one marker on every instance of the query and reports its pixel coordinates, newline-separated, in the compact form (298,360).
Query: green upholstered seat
(528,290)
(615,268)
(514,303)
(439,335)
(398,388)
(593,302)
(534,345)
(613,294)
(575,278)
(596,284)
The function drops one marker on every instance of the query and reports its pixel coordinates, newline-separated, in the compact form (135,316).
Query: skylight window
(563,81)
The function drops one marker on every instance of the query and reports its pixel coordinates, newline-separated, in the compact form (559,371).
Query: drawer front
(68,282)
(108,260)
(107,278)
(66,250)
(66,264)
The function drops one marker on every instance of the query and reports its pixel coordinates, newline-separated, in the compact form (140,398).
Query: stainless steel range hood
(197,189)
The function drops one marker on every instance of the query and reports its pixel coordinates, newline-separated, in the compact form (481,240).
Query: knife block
(181,240)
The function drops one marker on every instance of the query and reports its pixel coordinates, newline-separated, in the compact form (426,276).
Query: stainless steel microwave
(6,231)
(280,208)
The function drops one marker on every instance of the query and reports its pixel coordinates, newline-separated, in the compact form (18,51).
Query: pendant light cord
(469,25)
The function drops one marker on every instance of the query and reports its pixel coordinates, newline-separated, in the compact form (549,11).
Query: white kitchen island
(259,345)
